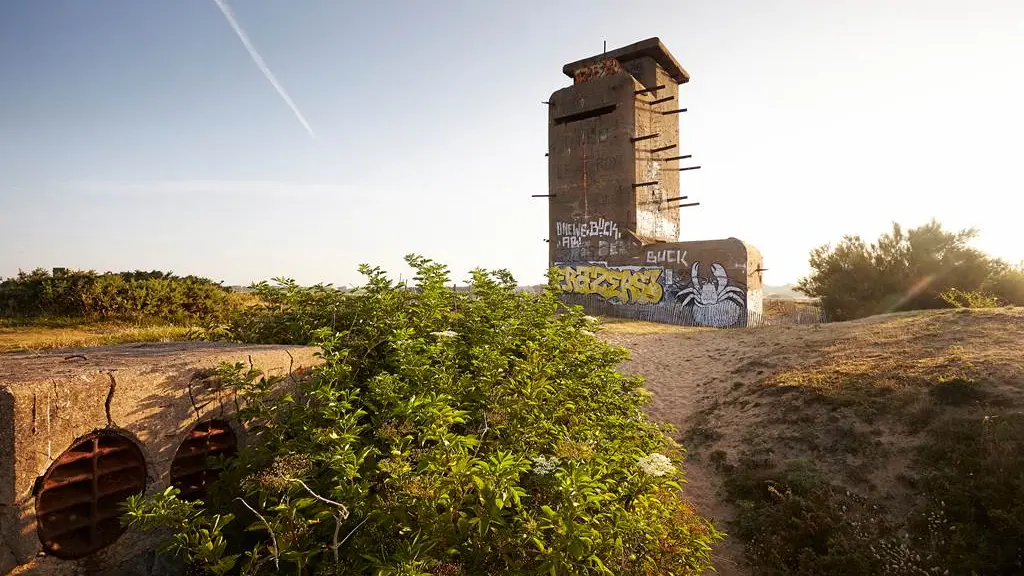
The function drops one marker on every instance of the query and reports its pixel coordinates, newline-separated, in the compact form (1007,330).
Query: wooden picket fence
(775,312)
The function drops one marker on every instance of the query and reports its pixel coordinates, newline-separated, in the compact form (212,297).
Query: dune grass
(52,334)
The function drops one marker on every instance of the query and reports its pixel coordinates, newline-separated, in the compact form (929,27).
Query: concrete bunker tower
(614,192)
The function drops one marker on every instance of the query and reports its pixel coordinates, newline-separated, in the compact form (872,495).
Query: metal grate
(77,499)
(190,470)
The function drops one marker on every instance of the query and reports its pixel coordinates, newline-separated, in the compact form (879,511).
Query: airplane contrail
(230,15)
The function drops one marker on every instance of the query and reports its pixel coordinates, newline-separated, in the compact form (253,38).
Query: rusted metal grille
(190,471)
(77,500)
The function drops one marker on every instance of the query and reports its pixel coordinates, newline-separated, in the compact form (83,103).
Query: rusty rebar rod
(639,184)
(646,90)
(689,168)
(636,139)
(660,100)
(677,157)
(663,148)
(667,112)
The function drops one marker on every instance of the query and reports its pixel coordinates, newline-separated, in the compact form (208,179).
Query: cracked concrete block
(67,414)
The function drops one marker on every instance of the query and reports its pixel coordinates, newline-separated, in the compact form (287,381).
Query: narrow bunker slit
(585,114)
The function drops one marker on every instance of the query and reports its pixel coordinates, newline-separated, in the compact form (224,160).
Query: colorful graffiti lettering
(605,67)
(625,285)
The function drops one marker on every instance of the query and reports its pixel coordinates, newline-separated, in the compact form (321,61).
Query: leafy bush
(480,432)
(957,298)
(284,313)
(134,296)
(1007,284)
(905,271)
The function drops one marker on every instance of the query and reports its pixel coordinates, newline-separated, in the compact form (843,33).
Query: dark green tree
(902,270)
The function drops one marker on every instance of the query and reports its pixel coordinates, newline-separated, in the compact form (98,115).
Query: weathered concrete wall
(591,169)
(715,282)
(152,394)
(614,192)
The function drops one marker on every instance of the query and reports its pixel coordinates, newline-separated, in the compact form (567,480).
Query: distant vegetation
(132,296)
(919,269)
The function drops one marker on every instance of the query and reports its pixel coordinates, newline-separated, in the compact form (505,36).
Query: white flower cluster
(591,319)
(544,466)
(656,464)
(445,334)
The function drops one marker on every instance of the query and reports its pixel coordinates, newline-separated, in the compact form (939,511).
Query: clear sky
(142,135)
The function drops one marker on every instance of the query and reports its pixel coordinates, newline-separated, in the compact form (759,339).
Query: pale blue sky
(141,135)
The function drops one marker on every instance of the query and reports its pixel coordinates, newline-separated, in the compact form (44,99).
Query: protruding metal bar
(660,100)
(639,184)
(689,168)
(676,198)
(682,205)
(646,90)
(647,137)
(677,157)
(667,112)
(547,153)
(663,148)
(542,196)
(546,102)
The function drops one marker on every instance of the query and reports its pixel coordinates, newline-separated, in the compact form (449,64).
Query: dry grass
(639,327)
(55,334)
(906,351)
(855,398)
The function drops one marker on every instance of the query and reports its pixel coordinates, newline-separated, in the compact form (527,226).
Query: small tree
(901,271)
(478,432)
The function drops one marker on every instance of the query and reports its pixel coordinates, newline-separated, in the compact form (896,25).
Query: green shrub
(1007,284)
(285,313)
(134,296)
(485,432)
(907,270)
(957,298)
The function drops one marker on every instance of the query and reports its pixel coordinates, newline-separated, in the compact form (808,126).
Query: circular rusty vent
(190,471)
(77,510)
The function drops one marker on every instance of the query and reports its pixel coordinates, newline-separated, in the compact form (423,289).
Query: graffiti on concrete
(713,301)
(666,257)
(572,234)
(599,69)
(624,285)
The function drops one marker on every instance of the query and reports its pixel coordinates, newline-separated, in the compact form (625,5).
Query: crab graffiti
(712,301)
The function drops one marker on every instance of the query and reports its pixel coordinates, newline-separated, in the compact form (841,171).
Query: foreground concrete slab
(81,430)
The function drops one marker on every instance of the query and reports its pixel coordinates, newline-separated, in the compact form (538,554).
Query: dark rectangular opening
(586,114)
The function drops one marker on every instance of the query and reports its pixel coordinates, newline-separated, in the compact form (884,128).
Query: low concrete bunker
(82,430)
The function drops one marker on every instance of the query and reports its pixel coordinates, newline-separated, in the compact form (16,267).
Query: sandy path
(687,371)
